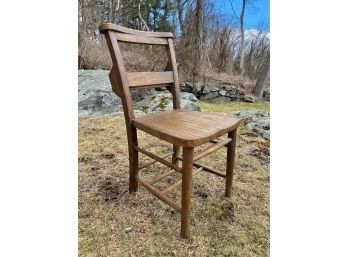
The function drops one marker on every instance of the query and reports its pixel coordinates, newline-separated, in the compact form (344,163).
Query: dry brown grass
(220,227)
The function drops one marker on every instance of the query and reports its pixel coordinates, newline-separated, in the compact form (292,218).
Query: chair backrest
(122,81)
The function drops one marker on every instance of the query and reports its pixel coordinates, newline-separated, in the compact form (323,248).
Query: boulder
(207,89)
(186,87)
(266,96)
(256,123)
(250,99)
(163,101)
(95,94)
(197,89)
(210,95)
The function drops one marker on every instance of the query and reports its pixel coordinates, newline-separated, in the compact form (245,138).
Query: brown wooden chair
(186,129)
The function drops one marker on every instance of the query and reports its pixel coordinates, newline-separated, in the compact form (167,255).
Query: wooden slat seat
(186,128)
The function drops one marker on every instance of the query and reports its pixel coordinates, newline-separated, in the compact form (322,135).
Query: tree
(261,81)
(242,38)
(197,48)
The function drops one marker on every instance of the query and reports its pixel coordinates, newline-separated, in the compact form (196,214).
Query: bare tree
(242,38)
(197,48)
(180,14)
(261,81)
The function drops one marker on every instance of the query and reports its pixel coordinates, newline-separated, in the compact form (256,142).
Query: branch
(141,18)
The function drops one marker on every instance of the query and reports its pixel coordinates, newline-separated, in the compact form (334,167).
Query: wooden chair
(186,129)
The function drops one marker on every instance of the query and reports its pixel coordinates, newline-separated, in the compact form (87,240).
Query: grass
(219,226)
(226,108)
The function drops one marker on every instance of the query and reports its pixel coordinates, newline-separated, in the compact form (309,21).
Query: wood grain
(104,27)
(186,128)
(186,191)
(153,161)
(136,39)
(152,79)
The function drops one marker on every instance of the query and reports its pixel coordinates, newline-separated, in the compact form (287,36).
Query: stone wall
(223,93)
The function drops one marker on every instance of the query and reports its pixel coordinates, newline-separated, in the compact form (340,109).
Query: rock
(266,96)
(196,90)
(129,229)
(96,97)
(186,87)
(210,95)
(256,122)
(164,102)
(95,94)
(207,89)
(258,129)
(250,99)
(222,92)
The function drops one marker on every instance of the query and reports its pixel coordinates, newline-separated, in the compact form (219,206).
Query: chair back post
(118,76)
(175,89)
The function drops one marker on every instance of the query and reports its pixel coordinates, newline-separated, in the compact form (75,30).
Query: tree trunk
(242,39)
(197,48)
(181,22)
(261,81)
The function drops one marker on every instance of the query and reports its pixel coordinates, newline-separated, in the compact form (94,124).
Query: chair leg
(133,160)
(231,148)
(175,155)
(186,191)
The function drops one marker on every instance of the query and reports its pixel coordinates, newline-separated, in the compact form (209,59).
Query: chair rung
(170,188)
(160,195)
(162,176)
(211,149)
(206,168)
(153,156)
(152,162)
(216,142)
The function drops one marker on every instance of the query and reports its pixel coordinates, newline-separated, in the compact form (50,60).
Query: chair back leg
(186,191)
(231,148)
(133,159)
(175,155)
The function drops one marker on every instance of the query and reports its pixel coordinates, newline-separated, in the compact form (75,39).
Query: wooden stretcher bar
(211,149)
(152,162)
(160,195)
(159,159)
(170,188)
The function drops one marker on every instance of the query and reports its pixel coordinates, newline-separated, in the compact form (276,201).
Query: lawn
(225,108)
(219,226)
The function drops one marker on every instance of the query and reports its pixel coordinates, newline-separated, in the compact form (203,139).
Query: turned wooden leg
(175,155)
(231,148)
(133,160)
(186,190)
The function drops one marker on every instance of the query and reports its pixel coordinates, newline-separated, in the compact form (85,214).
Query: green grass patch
(207,106)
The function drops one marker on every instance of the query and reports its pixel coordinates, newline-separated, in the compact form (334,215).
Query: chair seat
(186,128)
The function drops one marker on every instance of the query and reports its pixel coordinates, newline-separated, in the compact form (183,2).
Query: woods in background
(206,40)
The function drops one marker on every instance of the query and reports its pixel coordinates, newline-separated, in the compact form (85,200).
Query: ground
(219,226)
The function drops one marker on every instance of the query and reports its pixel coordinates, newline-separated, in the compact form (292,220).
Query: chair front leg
(231,149)
(186,191)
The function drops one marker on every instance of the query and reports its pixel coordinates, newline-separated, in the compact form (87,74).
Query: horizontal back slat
(136,39)
(117,28)
(149,79)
